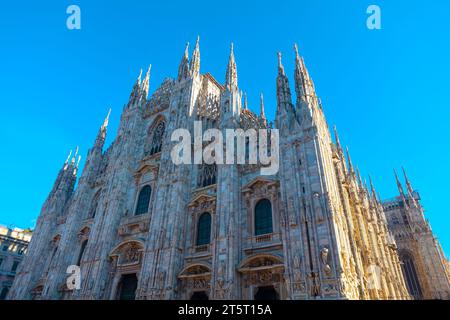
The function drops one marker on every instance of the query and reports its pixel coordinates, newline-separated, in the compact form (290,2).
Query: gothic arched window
(143,200)
(263,217)
(80,255)
(207,175)
(410,274)
(94,205)
(157,138)
(204,229)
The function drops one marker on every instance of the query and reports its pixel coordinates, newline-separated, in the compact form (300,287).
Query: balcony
(263,241)
(202,248)
(134,225)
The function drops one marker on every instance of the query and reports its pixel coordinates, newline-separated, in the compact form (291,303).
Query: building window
(204,229)
(207,175)
(94,205)
(157,138)
(263,217)
(143,200)
(14,266)
(410,274)
(80,255)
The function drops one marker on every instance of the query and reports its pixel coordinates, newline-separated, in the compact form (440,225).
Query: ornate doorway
(125,269)
(262,277)
(199,295)
(196,282)
(266,293)
(128,286)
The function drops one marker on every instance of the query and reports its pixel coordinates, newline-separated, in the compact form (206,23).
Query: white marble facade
(142,227)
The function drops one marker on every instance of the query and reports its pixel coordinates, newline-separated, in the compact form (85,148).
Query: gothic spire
(195,62)
(358,175)
(283,90)
(262,114)
(72,162)
(408,184)
(231,75)
(101,132)
(183,69)
(300,79)
(304,86)
(336,136)
(372,189)
(245,101)
(280,66)
(138,81)
(409,188)
(349,159)
(399,184)
(400,189)
(75,170)
(146,83)
(137,85)
(106,121)
(68,157)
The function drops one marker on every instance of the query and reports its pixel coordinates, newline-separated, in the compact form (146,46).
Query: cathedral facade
(141,227)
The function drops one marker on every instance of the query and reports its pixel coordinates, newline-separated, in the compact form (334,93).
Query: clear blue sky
(387,91)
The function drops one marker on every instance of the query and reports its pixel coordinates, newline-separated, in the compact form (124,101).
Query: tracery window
(157,138)
(143,200)
(207,175)
(263,217)
(204,229)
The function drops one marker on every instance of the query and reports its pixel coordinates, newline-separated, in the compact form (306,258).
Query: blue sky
(386,90)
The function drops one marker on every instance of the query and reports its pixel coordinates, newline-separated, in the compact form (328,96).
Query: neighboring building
(13,246)
(424,265)
(141,227)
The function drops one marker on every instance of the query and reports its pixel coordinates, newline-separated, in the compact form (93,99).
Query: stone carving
(324,260)
(130,255)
